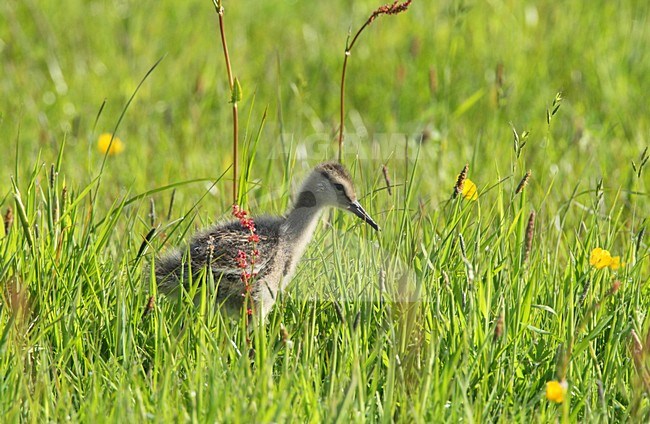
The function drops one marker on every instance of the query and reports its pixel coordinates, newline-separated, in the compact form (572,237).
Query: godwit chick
(226,248)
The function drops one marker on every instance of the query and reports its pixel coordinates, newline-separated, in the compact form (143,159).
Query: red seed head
(392,9)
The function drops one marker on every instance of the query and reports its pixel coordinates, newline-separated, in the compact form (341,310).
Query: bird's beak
(358,210)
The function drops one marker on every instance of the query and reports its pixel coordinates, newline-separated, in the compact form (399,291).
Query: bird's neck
(302,220)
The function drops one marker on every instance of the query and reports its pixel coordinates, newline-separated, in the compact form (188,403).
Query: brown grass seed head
(460,181)
(530,231)
(8,220)
(523,183)
(392,9)
(384,169)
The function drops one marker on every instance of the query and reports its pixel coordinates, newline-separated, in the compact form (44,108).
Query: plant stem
(235,115)
(348,50)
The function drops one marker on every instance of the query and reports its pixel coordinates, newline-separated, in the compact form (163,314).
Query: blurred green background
(444,83)
(432,70)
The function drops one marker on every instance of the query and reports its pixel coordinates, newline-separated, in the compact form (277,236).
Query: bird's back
(228,250)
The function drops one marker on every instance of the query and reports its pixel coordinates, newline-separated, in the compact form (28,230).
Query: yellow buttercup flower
(616,263)
(601,258)
(556,390)
(469,190)
(104,144)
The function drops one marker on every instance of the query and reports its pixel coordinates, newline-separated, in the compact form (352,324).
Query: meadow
(500,307)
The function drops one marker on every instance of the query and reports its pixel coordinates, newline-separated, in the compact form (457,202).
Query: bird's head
(330,184)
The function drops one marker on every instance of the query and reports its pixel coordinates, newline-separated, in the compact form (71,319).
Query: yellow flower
(555,390)
(469,190)
(104,144)
(601,258)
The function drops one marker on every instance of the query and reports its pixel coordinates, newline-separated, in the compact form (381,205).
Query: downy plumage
(282,242)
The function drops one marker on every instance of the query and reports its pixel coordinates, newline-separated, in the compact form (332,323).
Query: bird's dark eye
(338,186)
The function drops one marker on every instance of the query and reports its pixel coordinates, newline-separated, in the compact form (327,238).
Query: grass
(437,318)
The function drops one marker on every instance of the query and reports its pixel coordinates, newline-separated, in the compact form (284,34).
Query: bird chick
(280,243)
